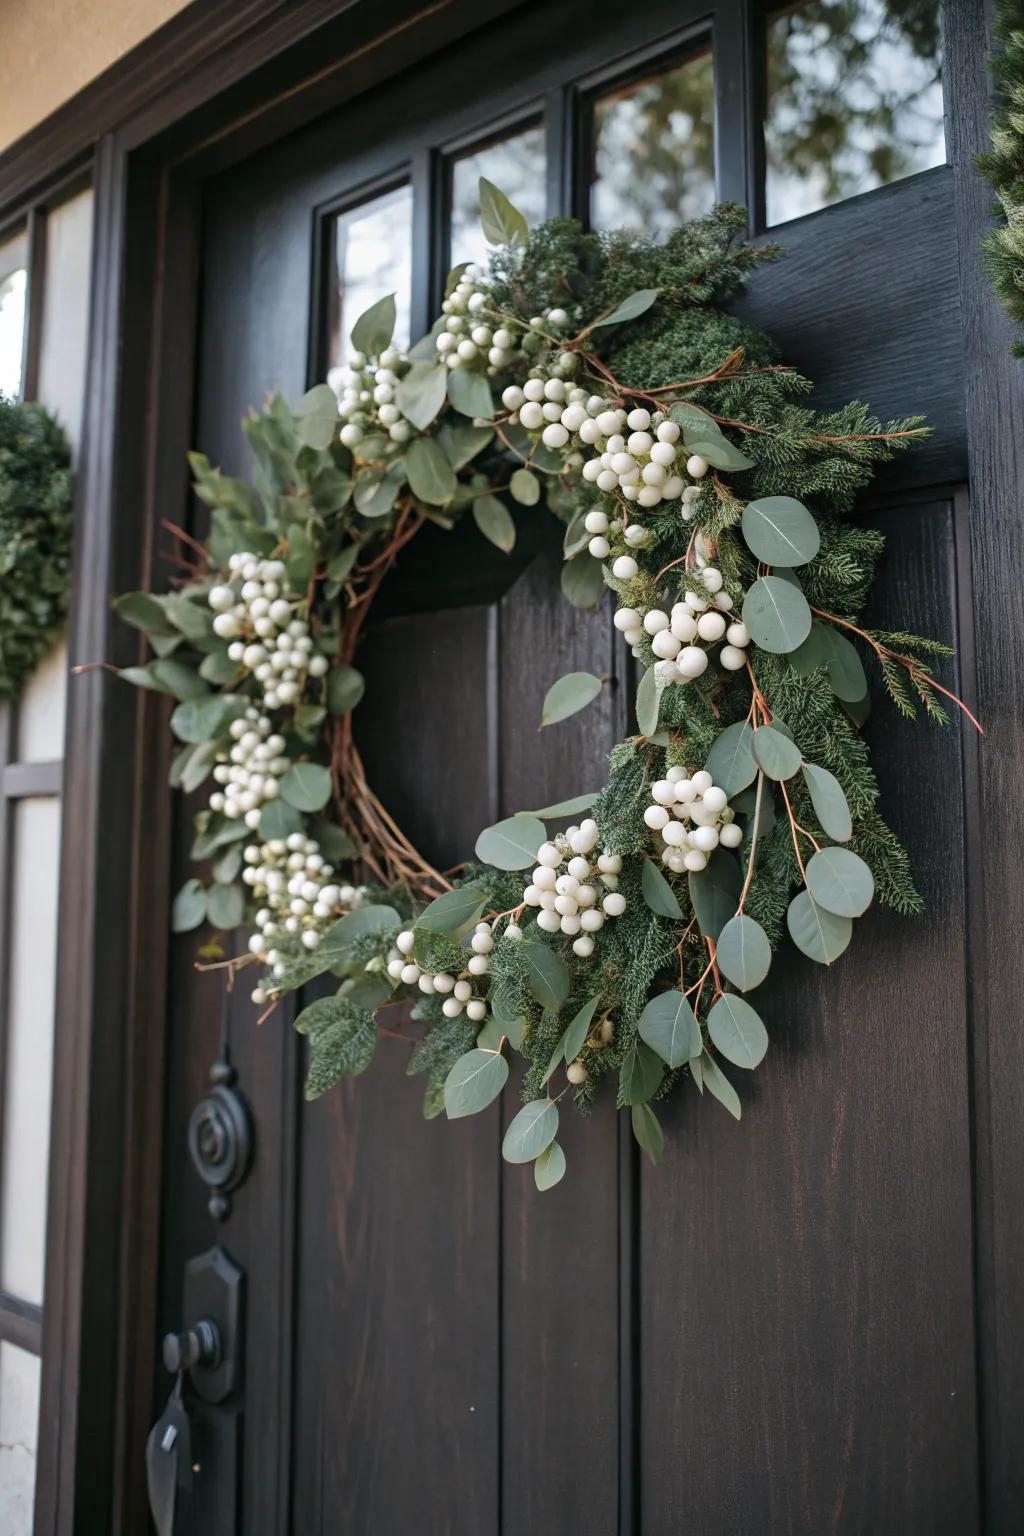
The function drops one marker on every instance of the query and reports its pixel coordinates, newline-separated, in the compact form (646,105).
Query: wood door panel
(560,1300)
(818,1259)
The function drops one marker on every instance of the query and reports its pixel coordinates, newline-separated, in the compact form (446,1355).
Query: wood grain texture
(808,1357)
(560,1272)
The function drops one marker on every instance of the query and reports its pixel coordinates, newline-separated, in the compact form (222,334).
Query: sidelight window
(13,293)
(372,246)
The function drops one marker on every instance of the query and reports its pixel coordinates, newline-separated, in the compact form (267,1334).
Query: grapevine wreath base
(599,375)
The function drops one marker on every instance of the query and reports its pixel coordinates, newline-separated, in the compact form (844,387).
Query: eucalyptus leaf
(317,417)
(371,919)
(375,327)
(576,1034)
(840,881)
(829,801)
(737,1031)
(813,652)
(454,910)
(564,807)
(206,718)
(657,892)
(278,820)
(462,443)
(779,530)
(640,1075)
(647,1131)
(546,975)
(776,614)
(470,393)
(845,668)
(511,844)
(474,1082)
(716,1082)
(421,393)
(431,477)
(494,521)
(669,1026)
(568,696)
(714,892)
(648,702)
(225,906)
(631,308)
(189,908)
(345,688)
(582,581)
(743,952)
(730,761)
(501,223)
(719,452)
(532,1130)
(306,786)
(549,1167)
(820,935)
(694,420)
(774,753)
(179,679)
(525,487)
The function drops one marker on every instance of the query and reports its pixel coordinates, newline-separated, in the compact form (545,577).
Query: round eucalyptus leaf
(669,1026)
(568,696)
(743,952)
(730,762)
(421,393)
(189,908)
(840,882)
(845,668)
(780,531)
(431,477)
(495,522)
(225,906)
(829,803)
(714,892)
(532,1130)
(306,786)
(582,581)
(774,753)
(470,393)
(821,935)
(549,1168)
(547,976)
(657,892)
(474,1081)
(776,614)
(737,1031)
(511,844)
(525,487)
(640,1075)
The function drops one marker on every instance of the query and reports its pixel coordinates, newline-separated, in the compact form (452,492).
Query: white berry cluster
(250,770)
(300,900)
(674,636)
(691,816)
(571,899)
(366,397)
(470,338)
(268,637)
(458,991)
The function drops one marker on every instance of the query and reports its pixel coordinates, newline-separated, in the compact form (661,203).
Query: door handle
(169,1460)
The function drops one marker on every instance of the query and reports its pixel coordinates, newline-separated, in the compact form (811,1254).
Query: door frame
(218,82)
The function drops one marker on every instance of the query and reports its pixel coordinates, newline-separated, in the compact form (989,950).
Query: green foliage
(1003,165)
(35,538)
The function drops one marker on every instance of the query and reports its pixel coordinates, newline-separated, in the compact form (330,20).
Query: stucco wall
(49,49)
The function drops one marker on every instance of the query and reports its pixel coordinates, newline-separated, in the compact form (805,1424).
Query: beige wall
(49,49)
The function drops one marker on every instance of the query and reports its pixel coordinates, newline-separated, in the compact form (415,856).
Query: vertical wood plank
(808,1352)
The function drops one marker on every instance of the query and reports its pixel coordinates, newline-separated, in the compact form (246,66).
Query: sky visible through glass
(854,97)
(517,166)
(373,257)
(654,150)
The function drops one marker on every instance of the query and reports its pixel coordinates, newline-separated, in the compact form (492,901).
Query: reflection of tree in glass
(517,166)
(654,151)
(373,256)
(854,99)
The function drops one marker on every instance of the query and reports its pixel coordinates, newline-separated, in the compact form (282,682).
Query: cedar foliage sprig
(1003,165)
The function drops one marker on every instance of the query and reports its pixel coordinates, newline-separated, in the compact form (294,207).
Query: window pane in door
(654,149)
(854,100)
(19,1426)
(372,246)
(516,165)
(13,290)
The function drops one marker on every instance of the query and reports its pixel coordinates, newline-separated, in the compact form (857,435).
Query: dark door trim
(213,85)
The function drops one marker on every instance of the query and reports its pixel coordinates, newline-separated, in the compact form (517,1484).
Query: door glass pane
(516,165)
(13,289)
(854,100)
(372,247)
(19,1425)
(654,149)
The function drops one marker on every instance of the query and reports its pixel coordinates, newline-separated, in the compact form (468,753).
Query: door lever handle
(169,1461)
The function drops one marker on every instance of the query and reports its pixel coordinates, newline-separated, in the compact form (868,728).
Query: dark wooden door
(774,1330)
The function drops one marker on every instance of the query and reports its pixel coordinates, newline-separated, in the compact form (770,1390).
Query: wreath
(617,934)
(36,490)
